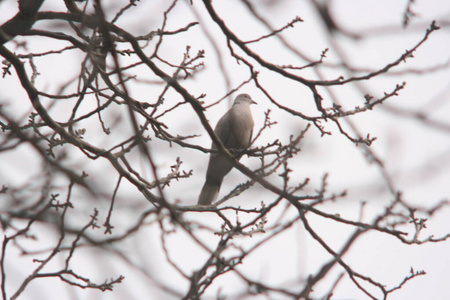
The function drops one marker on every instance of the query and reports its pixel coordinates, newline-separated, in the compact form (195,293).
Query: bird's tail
(209,193)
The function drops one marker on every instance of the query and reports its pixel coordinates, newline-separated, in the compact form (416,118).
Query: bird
(235,130)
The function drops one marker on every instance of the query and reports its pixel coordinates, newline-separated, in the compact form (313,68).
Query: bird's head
(244,98)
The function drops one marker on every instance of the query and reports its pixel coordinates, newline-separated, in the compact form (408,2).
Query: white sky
(416,156)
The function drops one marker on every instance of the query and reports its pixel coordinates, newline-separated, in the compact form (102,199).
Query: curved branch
(21,22)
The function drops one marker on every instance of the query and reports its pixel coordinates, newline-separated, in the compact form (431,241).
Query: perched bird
(235,130)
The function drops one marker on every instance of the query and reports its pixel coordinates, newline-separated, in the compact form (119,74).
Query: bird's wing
(223,130)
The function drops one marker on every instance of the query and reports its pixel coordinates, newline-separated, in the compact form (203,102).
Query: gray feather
(234,129)
(209,193)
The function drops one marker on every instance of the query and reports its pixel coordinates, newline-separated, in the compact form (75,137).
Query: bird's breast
(242,124)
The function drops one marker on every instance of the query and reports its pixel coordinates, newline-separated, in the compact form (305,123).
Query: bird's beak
(253,102)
